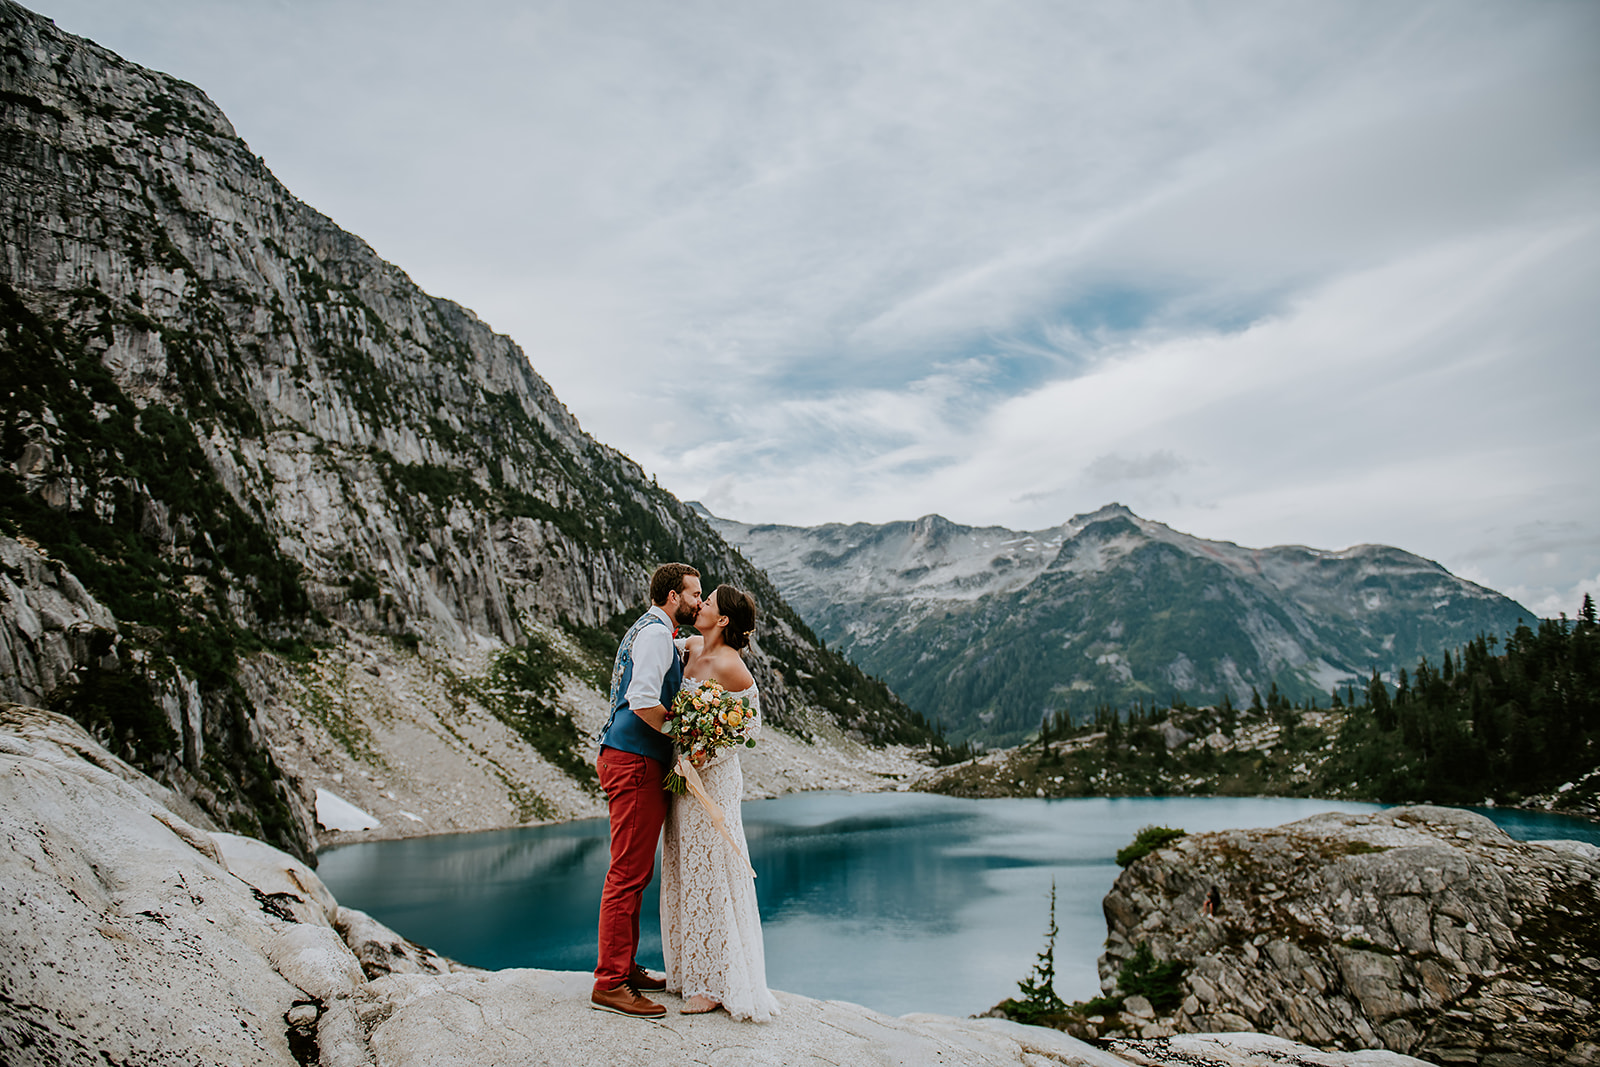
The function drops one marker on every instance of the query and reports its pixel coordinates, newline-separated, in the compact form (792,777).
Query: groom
(634,757)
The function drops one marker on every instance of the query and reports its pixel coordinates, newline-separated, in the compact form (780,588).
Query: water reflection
(903,902)
(507,898)
(891,866)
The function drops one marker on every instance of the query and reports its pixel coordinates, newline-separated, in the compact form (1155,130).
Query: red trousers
(638,808)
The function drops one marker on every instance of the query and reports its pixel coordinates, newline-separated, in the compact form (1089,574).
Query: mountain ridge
(1143,611)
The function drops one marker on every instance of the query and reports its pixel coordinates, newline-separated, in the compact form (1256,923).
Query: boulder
(46,621)
(1422,930)
(381,951)
(123,941)
(316,961)
(280,878)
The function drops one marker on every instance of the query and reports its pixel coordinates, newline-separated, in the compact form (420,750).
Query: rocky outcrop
(48,625)
(266,454)
(1242,1049)
(1171,752)
(1422,930)
(127,939)
(1580,796)
(132,936)
(59,644)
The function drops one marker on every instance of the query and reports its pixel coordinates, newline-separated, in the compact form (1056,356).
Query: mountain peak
(1112,510)
(985,628)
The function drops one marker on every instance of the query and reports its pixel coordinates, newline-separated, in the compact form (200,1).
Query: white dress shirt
(653,652)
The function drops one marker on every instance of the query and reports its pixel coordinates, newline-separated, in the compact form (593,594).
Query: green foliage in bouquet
(702,720)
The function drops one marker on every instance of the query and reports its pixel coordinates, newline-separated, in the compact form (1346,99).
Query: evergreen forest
(1490,721)
(1487,722)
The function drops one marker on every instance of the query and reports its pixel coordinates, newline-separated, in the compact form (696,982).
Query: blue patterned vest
(625,731)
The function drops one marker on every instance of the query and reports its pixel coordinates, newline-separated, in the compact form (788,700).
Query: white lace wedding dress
(710,928)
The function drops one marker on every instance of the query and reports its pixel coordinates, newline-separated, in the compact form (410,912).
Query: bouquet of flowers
(703,720)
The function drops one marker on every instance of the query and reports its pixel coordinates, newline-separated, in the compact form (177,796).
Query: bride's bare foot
(699,1005)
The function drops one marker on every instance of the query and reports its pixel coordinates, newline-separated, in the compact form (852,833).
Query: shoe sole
(652,1017)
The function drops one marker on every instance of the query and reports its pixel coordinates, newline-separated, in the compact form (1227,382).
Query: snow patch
(334,812)
(1325,675)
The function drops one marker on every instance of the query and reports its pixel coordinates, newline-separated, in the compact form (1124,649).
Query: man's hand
(656,717)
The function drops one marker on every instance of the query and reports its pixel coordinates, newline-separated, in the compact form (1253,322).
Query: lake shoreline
(329,841)
(938,886)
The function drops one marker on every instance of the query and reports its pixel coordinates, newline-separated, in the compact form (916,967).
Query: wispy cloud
(1113,469)
(1319,273)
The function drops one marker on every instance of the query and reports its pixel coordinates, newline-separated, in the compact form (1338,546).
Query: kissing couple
(710,927)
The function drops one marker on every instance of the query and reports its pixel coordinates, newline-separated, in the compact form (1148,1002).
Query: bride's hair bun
(740,608)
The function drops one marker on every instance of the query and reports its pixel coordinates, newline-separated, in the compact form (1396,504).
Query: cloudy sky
(1270,272)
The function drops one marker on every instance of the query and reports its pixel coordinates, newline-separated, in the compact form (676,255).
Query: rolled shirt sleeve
(653,651)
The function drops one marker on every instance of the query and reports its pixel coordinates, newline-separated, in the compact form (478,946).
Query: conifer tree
(1039,988)
(1228,712)
(1378,700)
(1508,725)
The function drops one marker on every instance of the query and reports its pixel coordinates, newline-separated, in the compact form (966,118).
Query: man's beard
(685,615)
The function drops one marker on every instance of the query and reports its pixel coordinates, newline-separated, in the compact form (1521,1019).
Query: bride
(710,928)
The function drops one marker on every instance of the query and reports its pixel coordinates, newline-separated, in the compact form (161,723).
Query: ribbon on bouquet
(692,777)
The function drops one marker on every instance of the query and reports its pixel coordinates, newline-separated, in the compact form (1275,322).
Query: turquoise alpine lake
(902,902)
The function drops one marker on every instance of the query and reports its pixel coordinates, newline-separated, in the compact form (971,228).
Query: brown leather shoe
(624,1001)
(641,981)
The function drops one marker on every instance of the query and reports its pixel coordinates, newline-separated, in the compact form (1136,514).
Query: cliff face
(1423,930)
(255,444)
